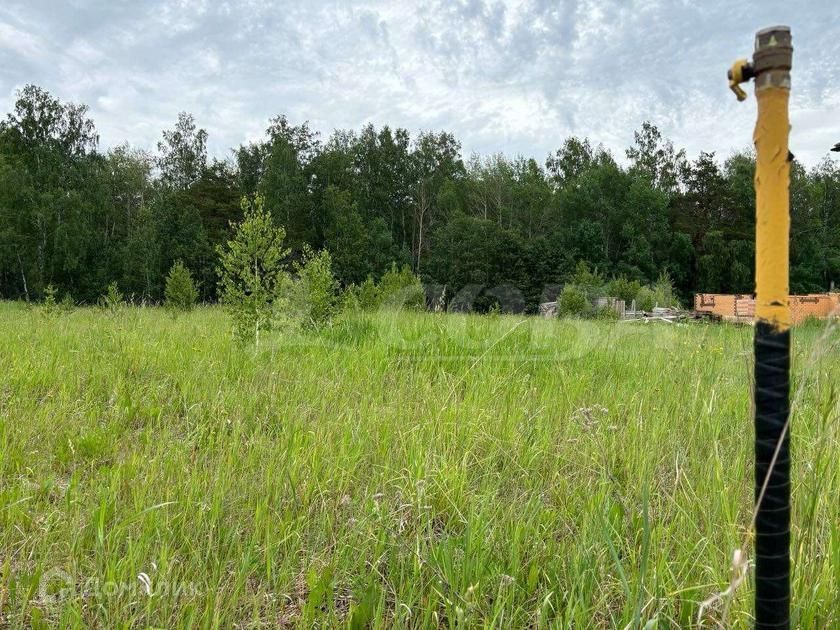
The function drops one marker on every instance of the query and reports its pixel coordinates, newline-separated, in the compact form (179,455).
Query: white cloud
(20,42)
(515,76)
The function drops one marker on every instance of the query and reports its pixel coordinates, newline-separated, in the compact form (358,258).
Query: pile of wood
(670,315)
(659,313)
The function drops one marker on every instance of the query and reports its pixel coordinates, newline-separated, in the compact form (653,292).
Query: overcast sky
(515,77)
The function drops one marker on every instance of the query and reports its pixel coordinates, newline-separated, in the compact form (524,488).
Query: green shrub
(113,299)
(400,288)
(316,290)
(590,282)
(252,271)
(607,313)
(645,299)
(50,307)
(663,290)
(180,291)
(348,300)
(369,295)
(624,289)
(572,302)
(67,304)
(660,294)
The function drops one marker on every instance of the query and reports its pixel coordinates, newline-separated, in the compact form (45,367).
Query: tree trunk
(23,277)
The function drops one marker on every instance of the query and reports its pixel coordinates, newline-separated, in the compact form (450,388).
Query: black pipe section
(772,477)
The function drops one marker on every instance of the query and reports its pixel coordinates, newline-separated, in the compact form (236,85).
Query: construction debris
(665,314)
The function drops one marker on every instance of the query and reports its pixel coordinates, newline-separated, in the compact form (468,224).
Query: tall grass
(396,469)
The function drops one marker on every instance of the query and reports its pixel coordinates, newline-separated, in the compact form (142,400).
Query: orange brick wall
(816,305)
(716,303)
(820,305)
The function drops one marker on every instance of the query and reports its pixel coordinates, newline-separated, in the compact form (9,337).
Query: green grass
(409,470)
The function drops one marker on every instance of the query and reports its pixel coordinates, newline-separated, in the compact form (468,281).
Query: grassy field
(408,469)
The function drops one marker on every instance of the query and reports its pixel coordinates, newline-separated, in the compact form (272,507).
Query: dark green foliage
(481,263)
(358,247)
(726,266)
(183,153)
(494,233)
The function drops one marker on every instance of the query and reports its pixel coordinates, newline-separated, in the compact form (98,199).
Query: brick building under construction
(742,307)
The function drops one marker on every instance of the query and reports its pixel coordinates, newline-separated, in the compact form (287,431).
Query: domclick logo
(57,585)
(503,333)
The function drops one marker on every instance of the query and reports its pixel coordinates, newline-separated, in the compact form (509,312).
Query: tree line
(77,219)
